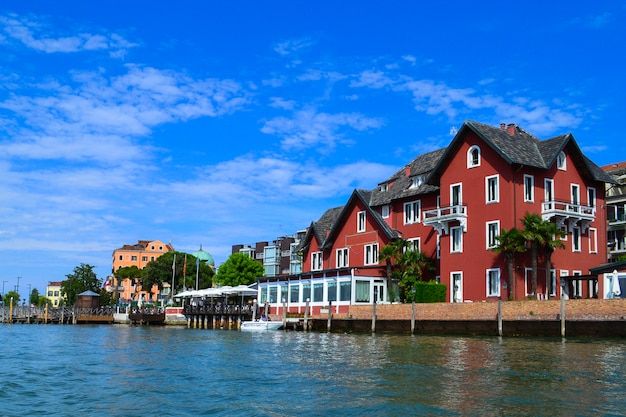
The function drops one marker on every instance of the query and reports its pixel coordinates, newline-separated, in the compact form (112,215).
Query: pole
(374,317)
(330,316)
(306,314)
(499,317)
(11,311)
(413,317)
(17,288)
(284,314)
(173,276)
(562,316)
(29,303)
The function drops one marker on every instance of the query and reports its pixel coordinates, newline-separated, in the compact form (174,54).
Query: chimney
(407,171)
(511,129)
(502,126)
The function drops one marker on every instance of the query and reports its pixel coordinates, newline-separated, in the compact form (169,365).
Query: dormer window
(473,157)
(417,181)
(561,161)
(384,187)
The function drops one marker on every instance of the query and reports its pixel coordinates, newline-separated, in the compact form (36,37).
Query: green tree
(7,298)
(82,279)
(34,296)
(390,255)
(160,271)
(510,243)
(405,265)
(532,233)
(552,235)
(239,269)
(42,301)
(131,273)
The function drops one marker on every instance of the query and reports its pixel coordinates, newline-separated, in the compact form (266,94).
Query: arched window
(560,161)
(473,157)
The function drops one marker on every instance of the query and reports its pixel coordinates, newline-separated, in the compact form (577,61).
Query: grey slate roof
(365,197)
(522,149)
(399,184)
(320,228)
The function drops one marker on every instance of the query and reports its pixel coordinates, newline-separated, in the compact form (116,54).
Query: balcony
(616,220)
(561,211)
(441,218)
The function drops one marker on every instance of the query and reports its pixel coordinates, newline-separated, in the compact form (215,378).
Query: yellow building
(53,293)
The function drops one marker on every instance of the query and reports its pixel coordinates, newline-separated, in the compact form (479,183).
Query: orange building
(138,254)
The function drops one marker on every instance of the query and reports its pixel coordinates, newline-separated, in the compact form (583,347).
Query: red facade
(452,203)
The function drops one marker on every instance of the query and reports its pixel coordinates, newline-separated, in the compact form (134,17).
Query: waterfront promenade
(579,317)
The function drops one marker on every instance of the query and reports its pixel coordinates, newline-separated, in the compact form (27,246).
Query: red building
(451,204)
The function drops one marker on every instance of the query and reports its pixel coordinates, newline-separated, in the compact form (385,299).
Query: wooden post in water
(254,307)
(413,317)
(499,317)
(45,316)
(306,315)
(330,315)
(374,317)
(562,316)
(284,314)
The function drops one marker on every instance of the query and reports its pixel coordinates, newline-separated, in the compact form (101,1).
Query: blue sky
(217,123)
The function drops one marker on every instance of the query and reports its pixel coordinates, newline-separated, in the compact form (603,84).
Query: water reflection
(123,370)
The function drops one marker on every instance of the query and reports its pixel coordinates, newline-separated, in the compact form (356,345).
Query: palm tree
(412,265)
(510,243)
(390,254)
(551,241)
(532,232)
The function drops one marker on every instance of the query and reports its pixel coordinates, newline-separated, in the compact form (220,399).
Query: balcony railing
(440,218)
(551,209)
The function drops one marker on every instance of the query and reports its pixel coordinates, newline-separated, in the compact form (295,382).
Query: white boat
(261,325)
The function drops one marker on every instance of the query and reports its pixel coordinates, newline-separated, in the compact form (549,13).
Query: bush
(430,292)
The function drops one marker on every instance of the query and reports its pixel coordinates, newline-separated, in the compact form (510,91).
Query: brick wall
(587,309)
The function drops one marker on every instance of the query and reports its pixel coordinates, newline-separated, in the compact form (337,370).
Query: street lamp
(3,282)
(17,288)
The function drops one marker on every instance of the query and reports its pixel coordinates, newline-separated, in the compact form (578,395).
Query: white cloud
(292,46)
(95,114)
(309,128)
(32,34)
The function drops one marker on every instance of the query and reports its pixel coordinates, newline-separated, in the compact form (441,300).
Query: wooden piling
(562,316)
(413,317)
(330,316)
(306,315)
(284,315)
(499,317)
(374,317)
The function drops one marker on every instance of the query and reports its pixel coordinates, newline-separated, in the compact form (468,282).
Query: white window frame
(576,239)
(577,284)
(575,195)
(341,256)
(470,157)
(452,289)
(361,221)
(529,188)
(438,246)
(316,261)
(460,187)
(591,197)
(412,212)
(456,231)
(488,279)
(495,225)
(564,235)
(593,240)
(384,211)
(548,190)
(414,244)
(495,179)
(370,254)
(528,280)
(561,161)
(552,282)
